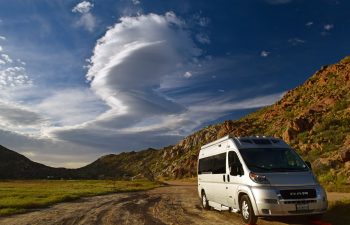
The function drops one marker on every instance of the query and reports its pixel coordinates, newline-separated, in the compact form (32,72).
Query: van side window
(234,164)
(215,164)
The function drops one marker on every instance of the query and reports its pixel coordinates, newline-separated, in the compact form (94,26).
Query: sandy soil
(177,203)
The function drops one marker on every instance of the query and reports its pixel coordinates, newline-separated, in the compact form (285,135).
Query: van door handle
(223,176)
(228,178)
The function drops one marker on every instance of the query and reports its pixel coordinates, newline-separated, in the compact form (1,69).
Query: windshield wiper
(286,169)
(259,167)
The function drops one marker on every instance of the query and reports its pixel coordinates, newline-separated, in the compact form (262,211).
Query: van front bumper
(270,203)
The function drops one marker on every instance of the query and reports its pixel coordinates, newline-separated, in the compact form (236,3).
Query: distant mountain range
(314,118)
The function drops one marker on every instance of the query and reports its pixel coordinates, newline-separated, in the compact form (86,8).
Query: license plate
(302,207)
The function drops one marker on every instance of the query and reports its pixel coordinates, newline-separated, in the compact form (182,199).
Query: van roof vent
(246,140)
(262,141)
(275,141)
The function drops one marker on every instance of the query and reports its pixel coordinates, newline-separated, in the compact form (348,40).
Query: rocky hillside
(124,165)
(314,118)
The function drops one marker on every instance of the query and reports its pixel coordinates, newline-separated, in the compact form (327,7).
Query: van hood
(291,178)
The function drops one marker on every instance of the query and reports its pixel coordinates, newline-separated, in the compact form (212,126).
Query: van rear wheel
(247,210)
(205,203)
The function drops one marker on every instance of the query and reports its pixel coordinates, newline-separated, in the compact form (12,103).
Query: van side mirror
(308,164)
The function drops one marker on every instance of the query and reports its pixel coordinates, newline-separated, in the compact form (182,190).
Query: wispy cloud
(201,20)
(296,41)
(251,103)
(63,107)
(136,2)
(309,24)
(265,53)
(203,38)
(328,27)
(87,19)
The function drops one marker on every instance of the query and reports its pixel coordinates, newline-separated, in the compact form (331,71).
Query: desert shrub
(340,105)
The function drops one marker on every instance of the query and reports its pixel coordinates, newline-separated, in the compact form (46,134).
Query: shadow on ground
(338,213)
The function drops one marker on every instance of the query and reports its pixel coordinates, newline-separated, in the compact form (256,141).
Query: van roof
(250,141)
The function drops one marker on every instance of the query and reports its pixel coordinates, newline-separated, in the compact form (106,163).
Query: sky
(81,79)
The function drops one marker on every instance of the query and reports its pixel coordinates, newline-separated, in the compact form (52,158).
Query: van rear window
(213,165)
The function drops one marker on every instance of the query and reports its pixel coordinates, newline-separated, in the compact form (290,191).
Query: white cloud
(128,66)
(201,20)
(136,2)
(265,53)
(328,27)
(14,77)
(86,20)
(296,41)
(71,107)
(6,58)
(21,62)
(203,38)
(252,103)
(278,2)
(83,7)
(150,42)
(2,38)
(188,74)
(309,24)
(1,48)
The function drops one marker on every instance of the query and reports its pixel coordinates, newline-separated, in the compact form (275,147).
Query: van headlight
(260,179)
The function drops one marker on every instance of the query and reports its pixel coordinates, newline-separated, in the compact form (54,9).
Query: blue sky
(79,79)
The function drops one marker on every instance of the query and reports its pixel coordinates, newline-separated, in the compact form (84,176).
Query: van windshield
(273,160)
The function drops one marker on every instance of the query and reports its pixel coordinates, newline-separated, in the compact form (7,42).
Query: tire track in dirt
(173,204)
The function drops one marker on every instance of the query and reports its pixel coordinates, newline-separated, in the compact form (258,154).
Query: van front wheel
(247,211)
(205,203)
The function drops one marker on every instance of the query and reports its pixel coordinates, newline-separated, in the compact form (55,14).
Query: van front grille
(300,202)
(298,194)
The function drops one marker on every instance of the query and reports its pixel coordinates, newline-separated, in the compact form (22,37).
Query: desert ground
(176,203)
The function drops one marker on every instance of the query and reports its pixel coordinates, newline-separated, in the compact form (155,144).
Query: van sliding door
(234,179)
(213,178)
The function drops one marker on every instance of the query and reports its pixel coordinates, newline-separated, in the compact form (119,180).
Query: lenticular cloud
(130,62)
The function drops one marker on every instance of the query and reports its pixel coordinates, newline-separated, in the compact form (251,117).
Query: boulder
(345,155)
(289,134)
(301,125)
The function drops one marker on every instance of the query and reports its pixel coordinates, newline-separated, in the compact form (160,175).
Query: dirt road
(174,204)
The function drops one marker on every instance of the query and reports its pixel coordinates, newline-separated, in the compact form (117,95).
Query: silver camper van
(259,177)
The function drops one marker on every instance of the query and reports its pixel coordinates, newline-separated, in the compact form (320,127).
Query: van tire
(247,210)
(204,200)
